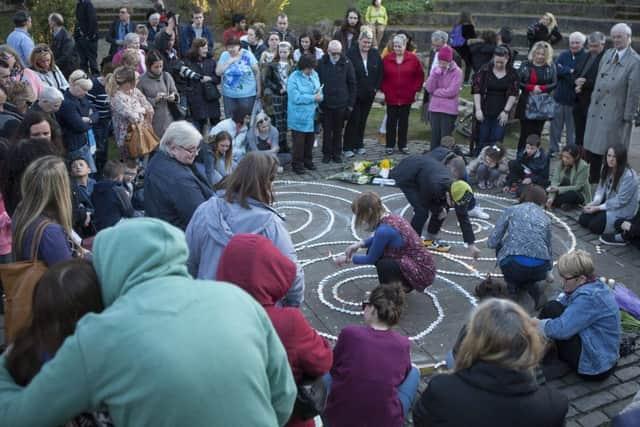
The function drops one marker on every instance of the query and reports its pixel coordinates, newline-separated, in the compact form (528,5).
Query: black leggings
(569,350)
(389,272)
(571,197)
(596,222)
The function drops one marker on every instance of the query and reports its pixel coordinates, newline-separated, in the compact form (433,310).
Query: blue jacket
(187,34)
(301,103)
(566,62)
(74,129)
(538,164)
(172,190)
(111,203)
(593,313)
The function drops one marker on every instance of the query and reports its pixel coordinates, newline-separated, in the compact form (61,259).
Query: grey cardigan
(523,229)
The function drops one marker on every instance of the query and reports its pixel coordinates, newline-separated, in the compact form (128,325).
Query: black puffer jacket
(339,82)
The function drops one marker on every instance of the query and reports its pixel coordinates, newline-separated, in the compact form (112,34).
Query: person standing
(20,39)
(403,77)
(237,30)
(62,45)
(444,85)
(86,36)
(614,100)
(204,100)
(276,74)
(462,32)
(282,28)
(338,81)
(368,69)
(119,29)
(240,73)
(196,29)
(565,93)
(586,74)
(348,33)
(376,18)
(537,75)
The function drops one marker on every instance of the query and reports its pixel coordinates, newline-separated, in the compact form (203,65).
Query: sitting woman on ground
(65,293)
(267,275)
(490,168)
(307,47)
(263,137)
(372,381)
(44,64)
(215,160)
(495,89)
(245,206)
(584,323)
(395,248)
(570,182)
(522,240)
(494,376)
(45,213)
(275,96)
(616,196)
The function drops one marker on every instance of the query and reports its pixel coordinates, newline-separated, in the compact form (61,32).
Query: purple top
(54,246)
(368,367)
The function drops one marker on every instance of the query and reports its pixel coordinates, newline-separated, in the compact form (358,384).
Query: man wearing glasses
(338,82)
(120,28)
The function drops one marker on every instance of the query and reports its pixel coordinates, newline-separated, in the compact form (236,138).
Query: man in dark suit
(86,36)
(118,29)
(62,45)
(585,74)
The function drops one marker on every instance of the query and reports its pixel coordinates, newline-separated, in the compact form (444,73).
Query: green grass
(6,25)
(304,13)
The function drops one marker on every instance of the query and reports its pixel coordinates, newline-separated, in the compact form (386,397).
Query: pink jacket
(5,230)
(444,88)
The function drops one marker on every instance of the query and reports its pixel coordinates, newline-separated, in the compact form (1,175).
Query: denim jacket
(591,311)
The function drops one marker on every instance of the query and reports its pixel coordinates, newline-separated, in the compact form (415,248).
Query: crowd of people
(139,184)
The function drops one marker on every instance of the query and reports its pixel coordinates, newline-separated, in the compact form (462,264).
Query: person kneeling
(585,321)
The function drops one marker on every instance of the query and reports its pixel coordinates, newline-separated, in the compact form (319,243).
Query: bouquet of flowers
(364,171)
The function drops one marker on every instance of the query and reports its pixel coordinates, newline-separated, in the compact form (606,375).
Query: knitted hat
(459,189)
(445,54)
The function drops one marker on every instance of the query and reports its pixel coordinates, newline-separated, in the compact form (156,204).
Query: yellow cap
(458,189)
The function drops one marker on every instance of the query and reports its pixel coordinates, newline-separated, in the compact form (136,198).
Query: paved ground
(318,213)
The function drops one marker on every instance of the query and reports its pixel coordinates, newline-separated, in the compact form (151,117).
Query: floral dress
(127,109)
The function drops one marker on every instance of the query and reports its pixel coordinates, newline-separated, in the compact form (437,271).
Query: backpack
(456,36)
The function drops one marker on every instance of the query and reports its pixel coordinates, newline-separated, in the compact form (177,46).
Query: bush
(185,6)
(40,10)
(398,9)
(254,10)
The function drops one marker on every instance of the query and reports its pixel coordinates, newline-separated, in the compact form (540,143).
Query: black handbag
(311,399)
(211,92)
(178,111)
(540,106)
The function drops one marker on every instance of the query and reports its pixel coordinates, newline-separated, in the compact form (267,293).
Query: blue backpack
(456,36)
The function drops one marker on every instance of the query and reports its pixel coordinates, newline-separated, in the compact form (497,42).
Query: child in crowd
(81,188)
(464,200)
(530,167)
(133,182)
(373,363)
(489,169)
(111,200)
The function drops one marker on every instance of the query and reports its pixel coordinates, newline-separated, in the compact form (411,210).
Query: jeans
(522,276)
(563,116)
(332,126)
(488,175)
(406,390)
(580,122)
(442,124)
(354,132)
(230,104)
(389,272)
(568,198)
(490,132)
(596,222)
(397,124)
(421,212)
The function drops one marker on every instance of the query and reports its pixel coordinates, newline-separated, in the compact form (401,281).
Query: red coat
(401,81)
(253,263)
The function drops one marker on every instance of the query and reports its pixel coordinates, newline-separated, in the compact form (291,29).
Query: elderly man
(338,79)
(62,45)
(49,103)
(565,94)
(614,100)
(585,75)
(20,39)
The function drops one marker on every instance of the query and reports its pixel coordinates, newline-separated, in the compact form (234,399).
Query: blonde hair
(130,58)
(553,23)
(45,191)
(368,210)
(120,76)
(40,51)
(502,333)
(576,263)
(548,52)
(81,79)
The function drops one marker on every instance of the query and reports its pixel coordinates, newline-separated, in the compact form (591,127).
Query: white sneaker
(315,143)
(280,169)
(348,154)
(477,212)
(362,151)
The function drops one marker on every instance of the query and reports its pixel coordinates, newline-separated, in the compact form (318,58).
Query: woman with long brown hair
(494,376)
(46,206)
(245,207)
(203,98)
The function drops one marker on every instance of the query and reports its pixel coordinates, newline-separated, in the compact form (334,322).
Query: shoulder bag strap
(37,238)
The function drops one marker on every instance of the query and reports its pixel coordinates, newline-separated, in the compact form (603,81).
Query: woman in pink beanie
(444,85)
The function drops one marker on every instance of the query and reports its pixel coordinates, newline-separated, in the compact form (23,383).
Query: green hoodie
(167,350)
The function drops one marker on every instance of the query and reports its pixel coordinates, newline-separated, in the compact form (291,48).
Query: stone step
(527,8)
(567,24)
